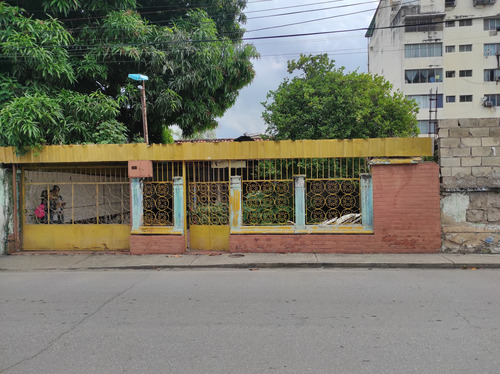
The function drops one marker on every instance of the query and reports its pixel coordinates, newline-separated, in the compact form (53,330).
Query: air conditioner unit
(493,32)
(488,104)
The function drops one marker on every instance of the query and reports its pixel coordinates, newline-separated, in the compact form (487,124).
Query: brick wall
(406,219)
(157,244)
(469,151)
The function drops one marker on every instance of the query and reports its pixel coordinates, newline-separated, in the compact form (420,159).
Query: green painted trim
(136,200)
(179,204)
(300,201)
(366,192)
(236,206)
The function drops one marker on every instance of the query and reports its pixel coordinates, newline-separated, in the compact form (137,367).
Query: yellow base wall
(76,237)
(207,238)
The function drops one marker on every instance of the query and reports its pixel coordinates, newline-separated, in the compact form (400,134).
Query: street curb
(252,266)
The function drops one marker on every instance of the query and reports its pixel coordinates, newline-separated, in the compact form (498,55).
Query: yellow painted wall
(387,147)
(76,237)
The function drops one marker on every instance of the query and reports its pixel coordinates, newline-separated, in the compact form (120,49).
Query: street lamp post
(142,78)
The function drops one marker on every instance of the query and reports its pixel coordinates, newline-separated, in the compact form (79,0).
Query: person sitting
(57,205)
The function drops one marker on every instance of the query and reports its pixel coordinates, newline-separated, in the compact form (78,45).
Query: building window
(492,24)
(465,22)
(423,75)
(450,99)
(423,50)
(450,48)
(465,48)
(493,98)
(492,75)
(465,73)
(449,24)
(423,24)
(450,74)
(491,49)
(466,98)
(423,101)
(427,127)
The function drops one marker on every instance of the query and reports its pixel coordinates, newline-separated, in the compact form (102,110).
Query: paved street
(250,321)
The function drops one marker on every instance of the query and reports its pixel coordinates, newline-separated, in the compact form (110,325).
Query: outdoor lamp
(142,78)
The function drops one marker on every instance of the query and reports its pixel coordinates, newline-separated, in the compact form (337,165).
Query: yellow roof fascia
(384,147)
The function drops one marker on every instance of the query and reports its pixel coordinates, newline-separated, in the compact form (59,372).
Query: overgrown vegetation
(64,67)
(325,102)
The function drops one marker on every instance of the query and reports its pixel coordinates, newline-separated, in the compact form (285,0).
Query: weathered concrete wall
(6,209)
(469,151)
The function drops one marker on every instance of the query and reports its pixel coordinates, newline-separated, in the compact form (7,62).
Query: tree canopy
(325,102)
(64,67)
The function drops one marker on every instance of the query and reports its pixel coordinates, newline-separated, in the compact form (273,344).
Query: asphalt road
(241,321)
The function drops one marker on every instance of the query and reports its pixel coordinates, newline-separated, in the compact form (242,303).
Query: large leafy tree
(64,67)
(325,102)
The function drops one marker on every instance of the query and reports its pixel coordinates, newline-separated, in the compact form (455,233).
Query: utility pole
(144,113)
(142,78)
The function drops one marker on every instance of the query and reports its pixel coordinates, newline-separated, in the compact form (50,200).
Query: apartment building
(443,53)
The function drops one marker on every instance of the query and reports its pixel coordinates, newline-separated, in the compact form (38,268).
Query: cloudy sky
(281,18)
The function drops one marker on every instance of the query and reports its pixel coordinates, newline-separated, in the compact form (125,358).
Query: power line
(313,20)
(243,39)
(313,10)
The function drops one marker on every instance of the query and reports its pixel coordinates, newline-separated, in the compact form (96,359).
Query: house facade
(343,196)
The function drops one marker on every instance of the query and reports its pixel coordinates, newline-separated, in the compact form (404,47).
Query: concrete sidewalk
(102,261)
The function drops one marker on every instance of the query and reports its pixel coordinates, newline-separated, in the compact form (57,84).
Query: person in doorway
(44,206)
(57,205)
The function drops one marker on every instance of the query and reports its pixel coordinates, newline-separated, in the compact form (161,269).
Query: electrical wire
(243,39)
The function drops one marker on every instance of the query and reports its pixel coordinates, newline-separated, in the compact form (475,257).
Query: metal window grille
(332,192)
(208,192)
(267,191)
(268,188)
(158,201)
(76,195)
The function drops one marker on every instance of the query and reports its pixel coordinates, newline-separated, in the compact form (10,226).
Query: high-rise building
(443,53)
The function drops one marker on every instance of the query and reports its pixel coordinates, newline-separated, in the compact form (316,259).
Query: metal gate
(208,205)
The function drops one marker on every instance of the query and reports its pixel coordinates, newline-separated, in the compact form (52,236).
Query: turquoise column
(300,202)
(136,198)
(235,204)
(179,204)
(366,191)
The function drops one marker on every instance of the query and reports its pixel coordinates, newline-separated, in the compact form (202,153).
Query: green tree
(325,102)
(77,54)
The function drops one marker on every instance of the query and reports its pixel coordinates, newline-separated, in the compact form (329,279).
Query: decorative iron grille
(332,189)
(157,203)
(208,203)
(158,195)
(77,195)
(330,199)
(268,203)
